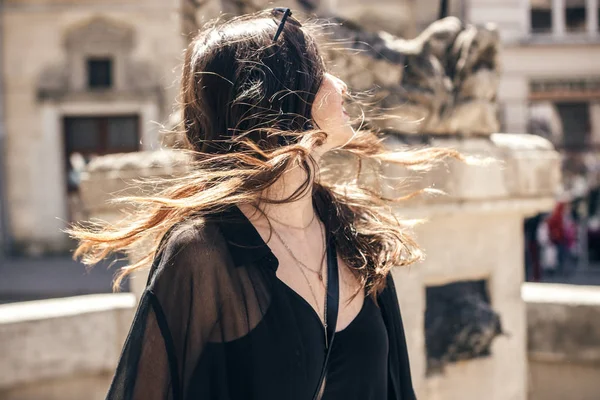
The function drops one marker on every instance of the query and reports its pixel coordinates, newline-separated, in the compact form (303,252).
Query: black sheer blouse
(216,323)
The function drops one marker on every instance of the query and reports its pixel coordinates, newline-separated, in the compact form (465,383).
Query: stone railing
(63,349)
(563,323)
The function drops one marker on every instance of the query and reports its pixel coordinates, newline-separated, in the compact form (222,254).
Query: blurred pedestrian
(548,250)
(563,234)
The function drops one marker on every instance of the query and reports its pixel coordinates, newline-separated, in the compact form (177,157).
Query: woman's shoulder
(192,246)
(195,232)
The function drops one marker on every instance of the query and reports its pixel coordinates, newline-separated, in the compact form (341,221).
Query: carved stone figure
(97,37)
(448,76)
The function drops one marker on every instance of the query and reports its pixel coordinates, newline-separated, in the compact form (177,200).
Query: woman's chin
(339,139)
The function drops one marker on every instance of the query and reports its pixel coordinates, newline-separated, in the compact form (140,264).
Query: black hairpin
(286,13)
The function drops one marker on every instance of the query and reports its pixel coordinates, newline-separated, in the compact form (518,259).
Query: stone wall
(64,348)
(563,324)
(475,233)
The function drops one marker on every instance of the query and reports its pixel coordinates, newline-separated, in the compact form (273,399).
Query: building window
(99,73)
(575,18)
(101,135)
(541,18)
(566,16)
(576,124)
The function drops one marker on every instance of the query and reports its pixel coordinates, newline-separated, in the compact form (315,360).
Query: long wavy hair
(246,105)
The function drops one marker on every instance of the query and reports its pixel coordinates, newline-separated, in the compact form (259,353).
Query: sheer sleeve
(165,342)
(400,377)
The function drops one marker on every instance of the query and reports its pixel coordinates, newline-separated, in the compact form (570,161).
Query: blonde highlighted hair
(246,116)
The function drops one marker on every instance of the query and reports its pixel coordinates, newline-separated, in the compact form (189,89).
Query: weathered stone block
(511,166)
(563,324)
(62,338)
(117,175)
(532,166)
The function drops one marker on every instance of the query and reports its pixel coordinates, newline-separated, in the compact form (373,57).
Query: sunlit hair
(246,115)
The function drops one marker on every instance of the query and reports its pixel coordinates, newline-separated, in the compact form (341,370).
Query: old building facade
(80,78)
(550,83)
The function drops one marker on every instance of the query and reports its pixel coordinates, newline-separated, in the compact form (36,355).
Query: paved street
(588,276)
(34,278)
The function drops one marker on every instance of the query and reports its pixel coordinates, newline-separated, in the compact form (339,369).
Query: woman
(248,243)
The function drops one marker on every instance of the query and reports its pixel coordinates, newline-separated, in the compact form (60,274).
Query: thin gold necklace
(292,226)
(321,268)
(312,290)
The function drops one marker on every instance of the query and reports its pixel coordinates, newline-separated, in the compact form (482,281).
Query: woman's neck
(298,213)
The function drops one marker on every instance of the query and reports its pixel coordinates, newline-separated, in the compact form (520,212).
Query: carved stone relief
(101,38)
(99,35)
(460,323)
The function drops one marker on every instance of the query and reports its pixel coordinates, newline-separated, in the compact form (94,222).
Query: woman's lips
(344,112)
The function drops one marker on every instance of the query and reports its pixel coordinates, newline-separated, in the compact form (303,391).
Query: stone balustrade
(63,349)
(563,322)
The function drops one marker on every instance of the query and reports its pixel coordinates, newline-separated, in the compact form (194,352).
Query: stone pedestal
(472,234)
(63,348)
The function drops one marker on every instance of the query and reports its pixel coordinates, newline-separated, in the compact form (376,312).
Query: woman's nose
(343,86)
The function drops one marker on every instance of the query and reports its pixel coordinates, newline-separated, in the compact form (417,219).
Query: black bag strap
(333,302)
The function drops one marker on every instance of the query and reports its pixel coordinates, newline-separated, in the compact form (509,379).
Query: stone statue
(447,76)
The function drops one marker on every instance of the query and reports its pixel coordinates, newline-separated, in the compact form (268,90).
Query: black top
(359,355)
(216,323)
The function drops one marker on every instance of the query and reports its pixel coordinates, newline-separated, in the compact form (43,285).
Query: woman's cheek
(329,116)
